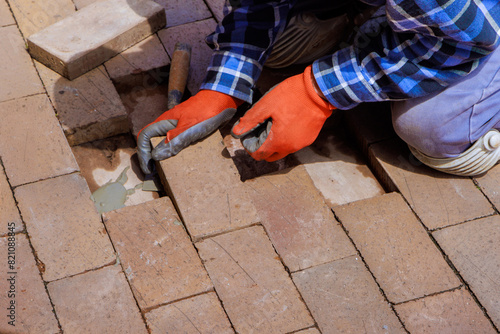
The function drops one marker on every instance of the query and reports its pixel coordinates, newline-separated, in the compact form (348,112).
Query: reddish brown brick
(249,278)
(98,301)
(301,227)
(112,26)
(33,146)
(216,6)
(144,56)
(33,16)
(206,189)
(344,298)
(448,312)
(19,77)
(199,314)
(337,169)
(195,34)
(159,259)
(88,108)
(6,17)
(490,183)
(438,199)
(9,215)
(473,249)
(64,227)
(184,11)
(396,248)
(33,312)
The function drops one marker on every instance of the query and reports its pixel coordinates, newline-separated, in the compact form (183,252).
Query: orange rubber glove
(286,119)
(184,124)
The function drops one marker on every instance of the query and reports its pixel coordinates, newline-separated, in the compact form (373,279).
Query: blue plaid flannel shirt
(409,48)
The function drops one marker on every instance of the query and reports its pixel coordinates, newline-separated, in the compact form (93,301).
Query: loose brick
(88,108)
(111,27)
(160,261)
(96,302)
(206,189)
(33,146)
(217,7)
(344,298)
(9,215)
(396,248)
(473,249)
(438,199)
(301,227)
(449,312)
(33,311)
(33,16)
(19,77)
(199,314)
(146,55)
(370,123)
(337,170)
(194,34)
(6,17)
(184,11)
(490,183)
(255,289)
(64,227)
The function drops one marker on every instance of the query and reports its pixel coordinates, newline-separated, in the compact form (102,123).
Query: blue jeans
(447,123)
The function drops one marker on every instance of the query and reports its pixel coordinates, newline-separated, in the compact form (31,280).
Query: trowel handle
(179,70)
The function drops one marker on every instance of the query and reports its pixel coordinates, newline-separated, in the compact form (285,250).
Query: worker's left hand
(286,119)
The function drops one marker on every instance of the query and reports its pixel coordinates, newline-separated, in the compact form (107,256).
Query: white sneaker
(476,160)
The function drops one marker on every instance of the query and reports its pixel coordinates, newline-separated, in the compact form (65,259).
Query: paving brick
(217,7)
(88,108)
(19,77)
(33,146)
(67,241)
(6,17)
(337,170)
(9,215)
(79,4)
(396,248)
(23,285)
(446,313)
(308,331)
(199,314)
(160,261)
(111,27)
(33,16)
(344,298)
(146,55)
(249,278)
(184,11)
(206,189)
(194,34)
(301,227)
(438,199)
(102,296)
(473,249)
(370,123)
(490,183)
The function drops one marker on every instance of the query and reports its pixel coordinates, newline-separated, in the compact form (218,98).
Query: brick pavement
(311,244)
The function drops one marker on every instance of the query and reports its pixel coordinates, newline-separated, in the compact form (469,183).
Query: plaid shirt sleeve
(412,48)
(242,43)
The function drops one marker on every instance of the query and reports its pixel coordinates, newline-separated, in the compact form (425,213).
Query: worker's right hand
(184,124)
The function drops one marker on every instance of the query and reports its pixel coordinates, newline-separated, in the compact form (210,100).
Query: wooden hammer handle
(179,70)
